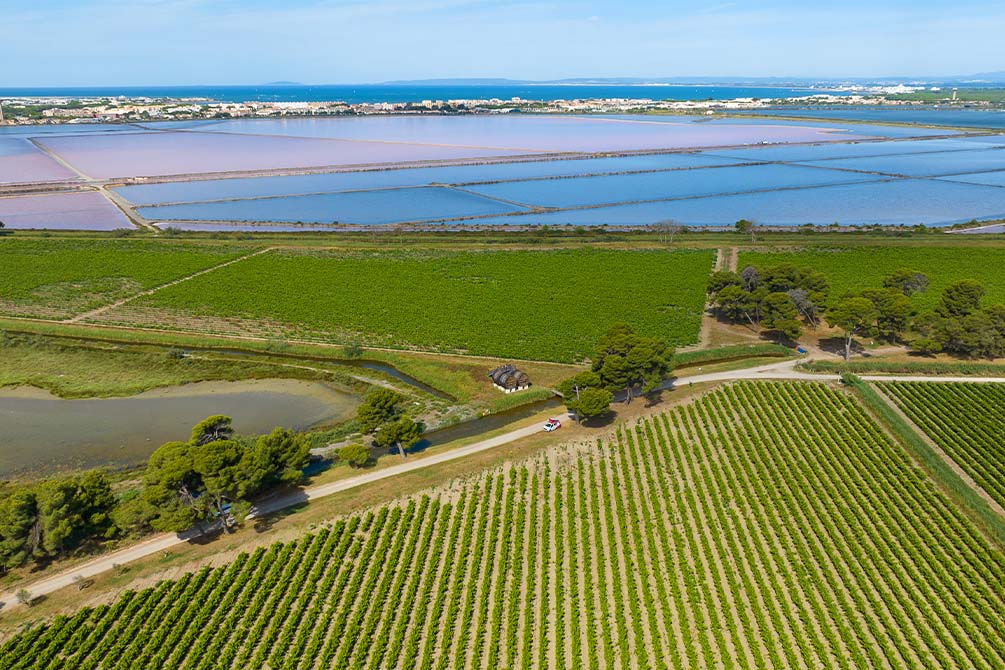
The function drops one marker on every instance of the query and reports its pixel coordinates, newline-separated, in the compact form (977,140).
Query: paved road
(163,542)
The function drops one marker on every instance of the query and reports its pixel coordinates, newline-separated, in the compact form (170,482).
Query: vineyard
(966,420)
(58,278)
(764,525)
(549,305)
(854,269)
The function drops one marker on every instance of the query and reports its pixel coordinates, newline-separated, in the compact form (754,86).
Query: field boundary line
(118,303)
(940,452)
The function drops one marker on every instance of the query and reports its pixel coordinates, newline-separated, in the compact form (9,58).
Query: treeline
(208,480)
(786,299)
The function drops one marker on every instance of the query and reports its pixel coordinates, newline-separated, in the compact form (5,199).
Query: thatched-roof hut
(508,379)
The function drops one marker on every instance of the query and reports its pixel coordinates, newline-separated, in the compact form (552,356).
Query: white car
(551,425)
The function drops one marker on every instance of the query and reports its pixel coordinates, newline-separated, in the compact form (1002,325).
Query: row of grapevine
(763,525)
(966,420)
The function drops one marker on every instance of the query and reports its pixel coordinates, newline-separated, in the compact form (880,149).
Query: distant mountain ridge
(978,78)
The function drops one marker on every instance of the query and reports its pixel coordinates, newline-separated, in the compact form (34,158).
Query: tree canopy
(53,517)
(592,403)
(585,395)
(907,281)
(779,298)
(960,299)
(853,315)
(380,406)
(626,360)
(401,433)
(199,480)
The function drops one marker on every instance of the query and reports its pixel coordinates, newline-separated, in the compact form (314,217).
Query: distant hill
(460,82)
(984,78)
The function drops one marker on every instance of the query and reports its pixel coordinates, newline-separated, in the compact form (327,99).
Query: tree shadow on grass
(601,421)
(835,346)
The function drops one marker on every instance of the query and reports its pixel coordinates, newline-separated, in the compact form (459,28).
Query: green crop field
(854,269)
(58,278)
(966,420)
(543,305)
(765,525)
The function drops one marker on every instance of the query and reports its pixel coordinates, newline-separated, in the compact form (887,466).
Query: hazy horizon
(199,42)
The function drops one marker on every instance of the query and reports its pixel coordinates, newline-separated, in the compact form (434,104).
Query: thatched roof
(508,377)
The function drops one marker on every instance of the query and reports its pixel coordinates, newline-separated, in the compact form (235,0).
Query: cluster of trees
(962,325)
(46,520)
(780,299)
(213,476)
(382,416)
(625,362)
(786,298)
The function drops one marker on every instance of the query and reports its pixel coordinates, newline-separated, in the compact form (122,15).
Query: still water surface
(41,431)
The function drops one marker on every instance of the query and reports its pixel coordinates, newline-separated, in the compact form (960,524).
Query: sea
(363,93)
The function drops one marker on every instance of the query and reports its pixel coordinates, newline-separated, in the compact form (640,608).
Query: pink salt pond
(21,161)
(62,211)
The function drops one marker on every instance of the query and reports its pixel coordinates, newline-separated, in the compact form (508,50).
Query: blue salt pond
(996,140)
(895,202)
(813,152)
(924,165)
(989,178)
(655,185)
(355,208)
(217,189)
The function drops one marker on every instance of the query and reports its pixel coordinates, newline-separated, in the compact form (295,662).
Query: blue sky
(146,42)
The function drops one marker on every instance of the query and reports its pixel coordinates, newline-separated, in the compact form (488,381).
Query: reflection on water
(39,431)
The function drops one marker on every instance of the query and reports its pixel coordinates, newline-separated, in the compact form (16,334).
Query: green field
(81,371)
(765,525)
(853,269)
(58,278)
(966,420)
(542,305)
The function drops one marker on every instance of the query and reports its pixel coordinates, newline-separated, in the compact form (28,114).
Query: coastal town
(47,110)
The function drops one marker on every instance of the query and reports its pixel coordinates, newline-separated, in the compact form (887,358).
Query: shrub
(356,455)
